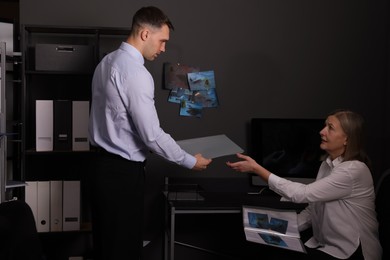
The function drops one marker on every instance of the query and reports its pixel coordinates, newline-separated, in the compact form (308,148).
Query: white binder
(31,198)
(80,119)
(71,205)
(44,125)
(55,206)
(43,220)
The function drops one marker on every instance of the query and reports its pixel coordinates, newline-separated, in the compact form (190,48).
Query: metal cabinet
(10,137)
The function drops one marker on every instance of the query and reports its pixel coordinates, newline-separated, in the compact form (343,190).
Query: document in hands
(210,146)
(273,227)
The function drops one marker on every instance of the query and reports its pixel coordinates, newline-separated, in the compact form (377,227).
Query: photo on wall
(203,85)
(177,95)
(193,89)
(175,75)
(190,109)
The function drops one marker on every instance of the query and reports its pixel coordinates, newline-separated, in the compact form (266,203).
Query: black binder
(62,125)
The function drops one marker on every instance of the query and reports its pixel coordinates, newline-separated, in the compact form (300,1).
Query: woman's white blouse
(341,208)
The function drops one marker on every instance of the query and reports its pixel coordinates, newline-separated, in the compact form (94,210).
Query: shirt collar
(132,51)
(335,162)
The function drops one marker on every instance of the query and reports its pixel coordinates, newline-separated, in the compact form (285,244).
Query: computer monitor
(287,147)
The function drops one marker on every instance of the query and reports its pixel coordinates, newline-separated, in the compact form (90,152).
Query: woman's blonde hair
(352,125)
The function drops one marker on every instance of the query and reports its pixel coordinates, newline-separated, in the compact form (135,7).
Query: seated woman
(341,202)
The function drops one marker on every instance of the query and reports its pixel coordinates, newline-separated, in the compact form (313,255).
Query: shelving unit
(59,64)
(3,136)
(10,128)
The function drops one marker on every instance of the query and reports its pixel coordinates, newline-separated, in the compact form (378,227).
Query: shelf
(10,101)
(16,58)
(14,184)
(85,227)
(54,73)
(36,72)
(58,30)
(54,152)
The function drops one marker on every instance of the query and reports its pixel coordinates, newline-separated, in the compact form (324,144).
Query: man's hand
(201,163)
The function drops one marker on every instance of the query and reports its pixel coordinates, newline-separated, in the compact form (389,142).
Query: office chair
(382,190)
(18,233)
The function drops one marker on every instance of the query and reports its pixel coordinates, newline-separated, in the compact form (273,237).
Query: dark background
(299,59)
(283,59)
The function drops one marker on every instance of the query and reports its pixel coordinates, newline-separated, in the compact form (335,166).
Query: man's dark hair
(152,16)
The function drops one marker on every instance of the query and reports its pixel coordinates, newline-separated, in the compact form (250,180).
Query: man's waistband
(102,151)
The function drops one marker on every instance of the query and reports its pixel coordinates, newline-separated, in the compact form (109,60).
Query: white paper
(210,146)
(272,227)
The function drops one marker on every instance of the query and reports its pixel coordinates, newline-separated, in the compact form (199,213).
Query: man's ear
(144,34)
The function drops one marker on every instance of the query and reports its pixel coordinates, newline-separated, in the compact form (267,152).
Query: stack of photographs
(191,88)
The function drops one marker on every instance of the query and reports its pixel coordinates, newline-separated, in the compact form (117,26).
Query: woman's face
(333,138)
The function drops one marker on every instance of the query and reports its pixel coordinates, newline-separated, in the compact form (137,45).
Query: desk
(215,203)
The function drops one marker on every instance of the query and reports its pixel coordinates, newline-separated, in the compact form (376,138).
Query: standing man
(124,127)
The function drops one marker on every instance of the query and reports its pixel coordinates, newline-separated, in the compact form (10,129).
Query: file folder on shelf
(31,198)
(62,125)
(71,205)
(43,223)
(55,206)
(44,125)
(80,119)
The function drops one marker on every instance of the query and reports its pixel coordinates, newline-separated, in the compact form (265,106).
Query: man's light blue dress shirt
(123,117)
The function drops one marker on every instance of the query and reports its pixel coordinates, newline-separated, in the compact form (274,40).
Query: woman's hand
(247,164)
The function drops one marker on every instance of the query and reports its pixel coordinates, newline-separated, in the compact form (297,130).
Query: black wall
(293,59)
(271,58)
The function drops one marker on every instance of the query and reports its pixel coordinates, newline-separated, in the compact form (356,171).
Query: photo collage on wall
(190,87)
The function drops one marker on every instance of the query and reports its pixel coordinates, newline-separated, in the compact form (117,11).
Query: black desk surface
(234,201)
(225,193)
(224,232)
(223,235)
